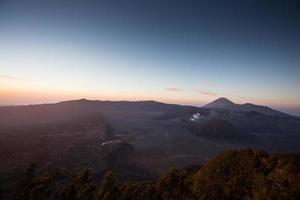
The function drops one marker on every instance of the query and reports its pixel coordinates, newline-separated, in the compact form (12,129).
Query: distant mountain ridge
(223,103)
(26,114)
(220,103)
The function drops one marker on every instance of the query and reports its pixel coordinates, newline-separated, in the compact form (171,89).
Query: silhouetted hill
(67,110)
(233,175)
(220,103)
(223,103)
(121,105)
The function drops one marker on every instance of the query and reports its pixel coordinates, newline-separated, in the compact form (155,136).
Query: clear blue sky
(187,52)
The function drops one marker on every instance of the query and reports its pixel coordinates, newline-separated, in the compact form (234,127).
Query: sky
(184,52)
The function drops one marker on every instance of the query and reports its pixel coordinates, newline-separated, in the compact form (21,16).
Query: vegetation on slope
(245,174)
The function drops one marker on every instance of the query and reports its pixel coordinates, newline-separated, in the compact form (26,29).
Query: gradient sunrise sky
(186,52)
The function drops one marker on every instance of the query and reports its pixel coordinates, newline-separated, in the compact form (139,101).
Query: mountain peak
(223,103)
(223,100)
(220,103)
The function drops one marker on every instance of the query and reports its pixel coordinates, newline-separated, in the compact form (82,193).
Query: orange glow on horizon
(26,91)
(12,96)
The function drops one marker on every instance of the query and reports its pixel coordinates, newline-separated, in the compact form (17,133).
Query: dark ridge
(233,175)
(223,103)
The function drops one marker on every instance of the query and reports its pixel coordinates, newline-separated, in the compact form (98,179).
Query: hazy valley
(136,140)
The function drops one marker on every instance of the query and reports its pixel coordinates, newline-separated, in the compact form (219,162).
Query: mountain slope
(222,130)
(159,133)
(223,103)
(233,175)
(45,113)
(249,174)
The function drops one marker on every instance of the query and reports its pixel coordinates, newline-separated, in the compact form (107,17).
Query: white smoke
(111,142)
(195,117)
